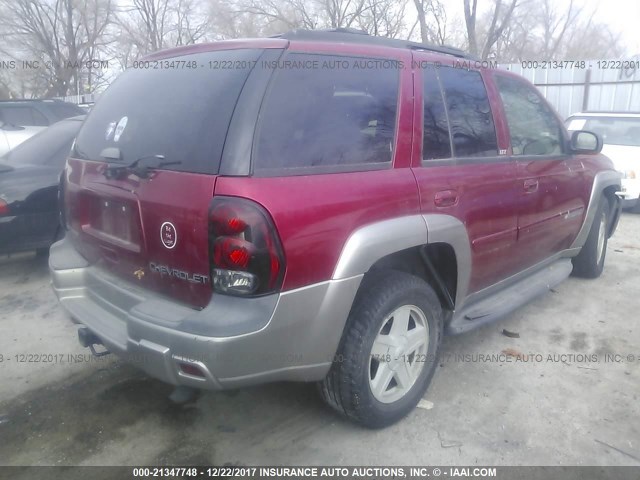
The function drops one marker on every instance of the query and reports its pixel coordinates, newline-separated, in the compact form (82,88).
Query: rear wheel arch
(411,261)
(398,244)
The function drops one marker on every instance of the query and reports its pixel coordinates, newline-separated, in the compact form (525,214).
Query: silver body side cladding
(292,336)
(369,244)
(450,230)
(601,181)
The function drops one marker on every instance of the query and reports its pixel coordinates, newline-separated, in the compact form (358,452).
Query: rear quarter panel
(315,214)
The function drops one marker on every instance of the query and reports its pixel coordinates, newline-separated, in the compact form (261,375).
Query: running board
(505,301)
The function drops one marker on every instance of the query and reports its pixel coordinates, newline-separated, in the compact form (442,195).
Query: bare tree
(555,25)
(311,14)
(588,40)
(543,31)
(151,25)
(432,19)
(61,34)
(384,18)
(499,18)
(518,40)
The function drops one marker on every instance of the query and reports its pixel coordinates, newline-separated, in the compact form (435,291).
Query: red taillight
(230,252)
(4,208)
(226,222)
(246,256)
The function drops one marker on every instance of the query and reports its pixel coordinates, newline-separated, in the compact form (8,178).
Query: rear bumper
(233,341)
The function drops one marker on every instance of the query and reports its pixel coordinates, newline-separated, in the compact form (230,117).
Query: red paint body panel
(315,214)
(99,224)
(487,199)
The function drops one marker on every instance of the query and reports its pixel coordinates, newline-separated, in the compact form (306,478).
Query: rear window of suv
(179,108)
(328,111)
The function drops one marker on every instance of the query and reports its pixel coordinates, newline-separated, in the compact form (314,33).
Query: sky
(622,16)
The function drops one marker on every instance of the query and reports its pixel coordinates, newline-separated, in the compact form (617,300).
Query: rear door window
(533,127)
(436,142)
(470,118)
(328,111)
(179,108)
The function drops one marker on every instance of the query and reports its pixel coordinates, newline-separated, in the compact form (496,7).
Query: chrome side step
(501,304)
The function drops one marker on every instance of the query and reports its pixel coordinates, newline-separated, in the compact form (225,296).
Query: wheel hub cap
(398,353)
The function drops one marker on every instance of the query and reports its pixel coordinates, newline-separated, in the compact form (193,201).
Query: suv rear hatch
(148,224)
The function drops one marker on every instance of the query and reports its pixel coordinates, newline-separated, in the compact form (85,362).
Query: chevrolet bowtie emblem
(139,274)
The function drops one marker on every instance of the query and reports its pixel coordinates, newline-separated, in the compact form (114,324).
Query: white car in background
(21,119)
(620,134)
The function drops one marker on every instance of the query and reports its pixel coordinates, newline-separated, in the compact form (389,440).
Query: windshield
(614,131)
(179,108)
(48,147)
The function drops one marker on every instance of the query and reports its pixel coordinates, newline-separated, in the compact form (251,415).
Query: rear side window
(23,116)
(533,127)
(470,118)
(435,137)
(179,108)
(325,111)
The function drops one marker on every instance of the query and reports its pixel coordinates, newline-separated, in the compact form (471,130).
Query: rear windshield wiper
(142,170)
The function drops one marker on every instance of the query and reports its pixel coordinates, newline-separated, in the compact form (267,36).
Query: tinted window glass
(24,116)
(65,110)
(613,130)
(181,111)
(435,137)
(469,110)
(48,147)
(533,127)
(337,111)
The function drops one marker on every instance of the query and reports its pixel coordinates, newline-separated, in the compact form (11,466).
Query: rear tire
(394,325)
(589,263)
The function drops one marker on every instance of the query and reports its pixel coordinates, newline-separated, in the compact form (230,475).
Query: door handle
(530,185)
(445,198)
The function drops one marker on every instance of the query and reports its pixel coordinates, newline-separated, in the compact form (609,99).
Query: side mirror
(583,141)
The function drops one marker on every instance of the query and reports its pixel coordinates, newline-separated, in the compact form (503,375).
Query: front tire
(389,350)
(589,263)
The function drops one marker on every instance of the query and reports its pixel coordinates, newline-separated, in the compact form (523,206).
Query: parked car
(29,178)
(21,119)
(620,134)
(312,214)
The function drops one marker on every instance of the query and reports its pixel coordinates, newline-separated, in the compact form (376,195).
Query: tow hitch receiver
(88,339)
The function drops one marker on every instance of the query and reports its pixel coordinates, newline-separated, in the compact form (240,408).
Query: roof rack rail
(352,35)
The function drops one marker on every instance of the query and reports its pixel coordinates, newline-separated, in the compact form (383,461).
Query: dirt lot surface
(569,394)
